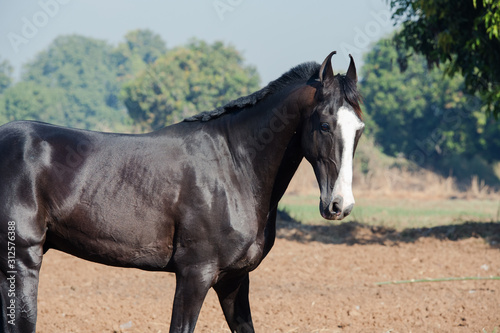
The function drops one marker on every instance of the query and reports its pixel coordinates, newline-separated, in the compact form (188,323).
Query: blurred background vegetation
(431,116)
(136,86)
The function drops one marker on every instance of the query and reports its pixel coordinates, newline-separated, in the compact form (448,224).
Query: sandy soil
(316,279)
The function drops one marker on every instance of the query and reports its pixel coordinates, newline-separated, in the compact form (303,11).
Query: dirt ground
(316,279)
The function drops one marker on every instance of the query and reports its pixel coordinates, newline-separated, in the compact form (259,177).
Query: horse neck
(268,138)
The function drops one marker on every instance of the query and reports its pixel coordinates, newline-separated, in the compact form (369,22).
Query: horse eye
(325,127)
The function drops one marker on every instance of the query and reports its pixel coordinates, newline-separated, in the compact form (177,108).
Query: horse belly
(111,217)
(116,240)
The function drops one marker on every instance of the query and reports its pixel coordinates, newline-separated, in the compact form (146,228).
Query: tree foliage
(423,114)
(464,36)
(5,75)
(83,67)
(31,101)
(140,48)
(77,80)
(187,80)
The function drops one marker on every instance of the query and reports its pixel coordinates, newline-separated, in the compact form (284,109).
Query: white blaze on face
(348,123)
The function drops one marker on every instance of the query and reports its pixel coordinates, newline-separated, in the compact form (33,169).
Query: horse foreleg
(192,285)
(233,297)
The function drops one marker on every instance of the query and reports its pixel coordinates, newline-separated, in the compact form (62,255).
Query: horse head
(330,136)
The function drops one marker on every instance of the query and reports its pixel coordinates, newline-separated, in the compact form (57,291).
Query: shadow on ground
(358,233)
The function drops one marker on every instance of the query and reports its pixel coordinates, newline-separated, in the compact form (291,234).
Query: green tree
(5,75)
(463,36)
(421,113)
(186,81)
(31,101)
(85,69)
(490,139)
(140,48)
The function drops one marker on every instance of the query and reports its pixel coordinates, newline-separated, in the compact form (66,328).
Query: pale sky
(272,35)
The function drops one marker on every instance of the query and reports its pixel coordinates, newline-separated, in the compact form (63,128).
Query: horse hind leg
(21,250)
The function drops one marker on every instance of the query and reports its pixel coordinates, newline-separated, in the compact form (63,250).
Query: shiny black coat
(198,198)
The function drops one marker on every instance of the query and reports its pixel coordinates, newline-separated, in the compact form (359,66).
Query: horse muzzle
(334,209)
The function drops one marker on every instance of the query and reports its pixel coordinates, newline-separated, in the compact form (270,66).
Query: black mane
(305,71)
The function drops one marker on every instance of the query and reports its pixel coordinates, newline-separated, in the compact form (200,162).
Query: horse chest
(241,258)
(254,255)
(244,250)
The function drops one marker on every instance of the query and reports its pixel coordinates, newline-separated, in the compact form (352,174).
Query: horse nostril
(336,205)
(336,209)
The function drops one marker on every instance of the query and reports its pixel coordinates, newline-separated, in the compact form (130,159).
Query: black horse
(198,198)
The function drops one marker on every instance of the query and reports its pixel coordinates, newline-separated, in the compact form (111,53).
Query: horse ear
(351,72)
(326,70)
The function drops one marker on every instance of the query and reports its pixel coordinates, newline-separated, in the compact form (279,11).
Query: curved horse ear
(326,70)
(351,72)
